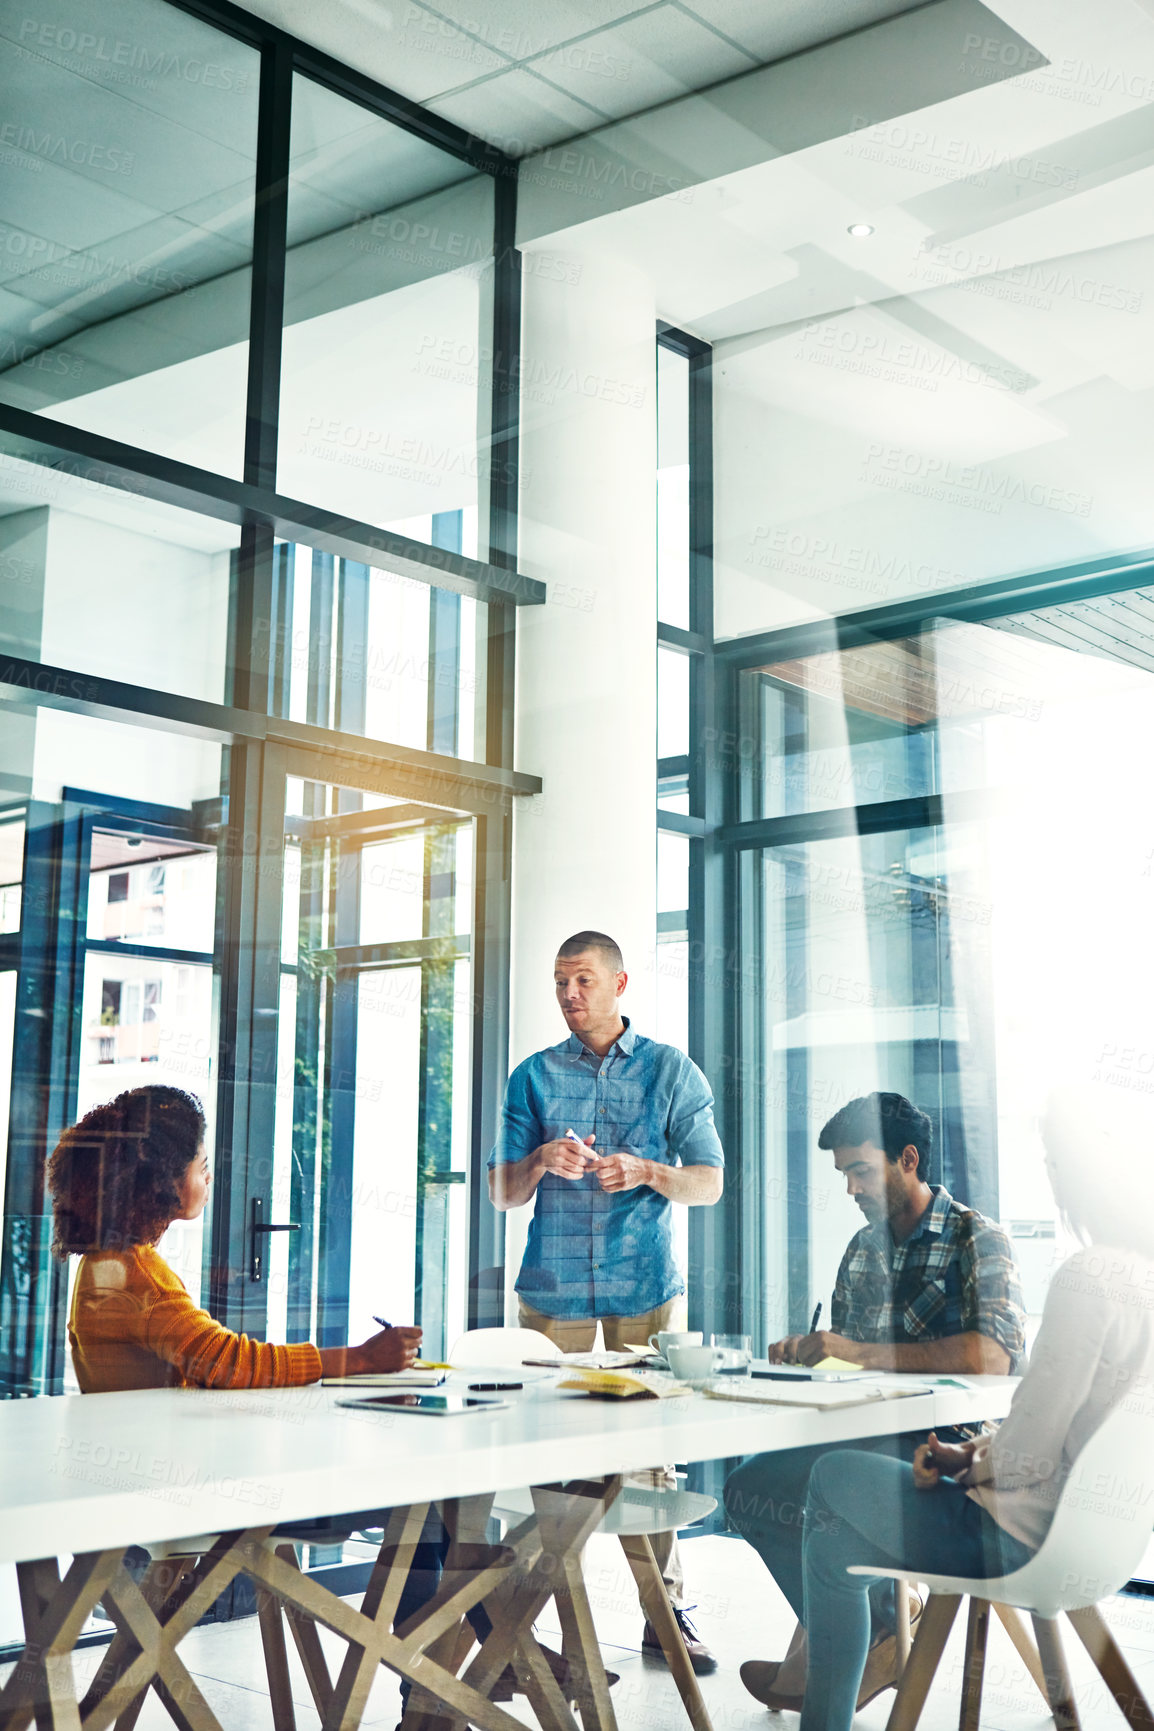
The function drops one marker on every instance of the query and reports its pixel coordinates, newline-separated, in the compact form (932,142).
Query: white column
(584,850)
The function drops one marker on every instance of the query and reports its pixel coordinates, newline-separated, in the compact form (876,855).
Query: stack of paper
(623,1384)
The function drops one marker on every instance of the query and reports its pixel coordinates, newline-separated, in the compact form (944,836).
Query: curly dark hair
(889,1121)
(115,1176)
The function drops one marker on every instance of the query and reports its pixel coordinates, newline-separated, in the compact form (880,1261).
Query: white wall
(125,762)
(23,555)
(135,606)
(379,402)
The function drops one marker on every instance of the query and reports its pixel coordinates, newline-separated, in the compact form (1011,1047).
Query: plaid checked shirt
(954,1275)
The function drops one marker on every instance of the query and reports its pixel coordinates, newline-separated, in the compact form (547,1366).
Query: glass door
(13,828)
(368,1213)
(147,983)
(108,970)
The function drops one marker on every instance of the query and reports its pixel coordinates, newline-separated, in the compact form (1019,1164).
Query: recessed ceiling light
(860,230)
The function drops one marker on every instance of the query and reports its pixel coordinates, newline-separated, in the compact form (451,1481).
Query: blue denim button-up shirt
(590,1253)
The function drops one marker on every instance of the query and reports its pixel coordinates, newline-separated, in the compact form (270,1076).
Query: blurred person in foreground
(926,1285)
(982,1509)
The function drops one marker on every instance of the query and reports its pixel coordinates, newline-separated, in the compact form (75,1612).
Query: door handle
(258,1228)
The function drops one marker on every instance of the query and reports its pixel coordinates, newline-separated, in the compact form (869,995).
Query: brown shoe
(881,1668)
(759,1677)
(881,1673)
(700,1657)
(507,1685)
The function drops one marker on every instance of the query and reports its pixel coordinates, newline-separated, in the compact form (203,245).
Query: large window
(127,190)
(952,877)
(257,585)
(388,288)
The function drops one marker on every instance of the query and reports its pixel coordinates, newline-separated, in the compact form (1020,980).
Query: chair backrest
(1102,1524)
(501,1346)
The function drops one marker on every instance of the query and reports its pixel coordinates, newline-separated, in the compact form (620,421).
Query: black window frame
(262,746)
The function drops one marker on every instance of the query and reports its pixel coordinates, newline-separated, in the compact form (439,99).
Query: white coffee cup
(692,1363)
(670,1337)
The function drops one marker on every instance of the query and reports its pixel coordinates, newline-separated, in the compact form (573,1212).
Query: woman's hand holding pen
(392,1349)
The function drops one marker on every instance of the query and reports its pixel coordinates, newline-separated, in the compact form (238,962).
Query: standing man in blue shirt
(642,1137)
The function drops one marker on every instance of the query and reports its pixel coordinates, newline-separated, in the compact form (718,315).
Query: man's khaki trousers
(577,1335)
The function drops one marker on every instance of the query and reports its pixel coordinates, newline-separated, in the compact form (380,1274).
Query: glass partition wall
(941,877)
(257,596)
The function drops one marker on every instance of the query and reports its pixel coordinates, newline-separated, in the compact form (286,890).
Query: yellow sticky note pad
(835,1364)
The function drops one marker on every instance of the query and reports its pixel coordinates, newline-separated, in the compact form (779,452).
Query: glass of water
(734,1352)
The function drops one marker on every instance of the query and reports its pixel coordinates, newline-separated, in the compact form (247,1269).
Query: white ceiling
(1055,164)
(528,73)
(967,393)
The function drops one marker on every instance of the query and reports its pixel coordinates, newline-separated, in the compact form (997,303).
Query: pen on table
(814,1319)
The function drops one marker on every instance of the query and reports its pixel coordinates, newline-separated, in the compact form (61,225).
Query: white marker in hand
(582,1145)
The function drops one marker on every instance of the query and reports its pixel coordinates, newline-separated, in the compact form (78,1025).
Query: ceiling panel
(789,26)
(167,63)
(407,46)
(345,161)
(522,28)
(518,111)
(433,53)
(652,58)
(134,266)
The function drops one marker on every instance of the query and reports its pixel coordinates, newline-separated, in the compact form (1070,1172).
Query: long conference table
(86,1476)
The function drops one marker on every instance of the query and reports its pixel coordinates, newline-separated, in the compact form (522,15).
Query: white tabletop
(88,1472)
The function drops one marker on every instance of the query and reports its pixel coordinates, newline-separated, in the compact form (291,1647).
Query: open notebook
(387,1379)
(594,1360)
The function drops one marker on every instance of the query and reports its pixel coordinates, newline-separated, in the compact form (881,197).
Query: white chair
(501,1348)
(1100,1530)
(635,1516)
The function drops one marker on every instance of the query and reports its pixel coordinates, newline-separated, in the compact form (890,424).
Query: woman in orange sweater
(118,1180)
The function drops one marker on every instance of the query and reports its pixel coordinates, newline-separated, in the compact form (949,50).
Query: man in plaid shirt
(927,1284)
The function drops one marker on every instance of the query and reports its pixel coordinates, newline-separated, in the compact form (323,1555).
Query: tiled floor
(739,1612)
